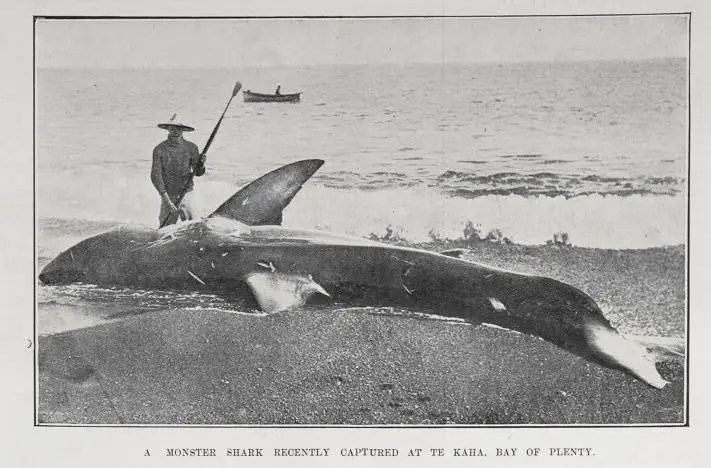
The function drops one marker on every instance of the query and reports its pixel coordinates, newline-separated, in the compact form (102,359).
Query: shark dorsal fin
(262,201)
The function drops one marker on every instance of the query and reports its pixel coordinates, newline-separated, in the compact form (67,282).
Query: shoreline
(52,228)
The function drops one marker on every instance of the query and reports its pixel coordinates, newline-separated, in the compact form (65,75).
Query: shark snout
(61,270)
(59,276)
(45,278)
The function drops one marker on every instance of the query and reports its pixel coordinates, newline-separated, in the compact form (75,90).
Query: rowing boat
(250,96)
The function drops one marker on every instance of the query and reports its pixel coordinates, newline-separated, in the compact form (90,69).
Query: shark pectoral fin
(317,288)
(277,292)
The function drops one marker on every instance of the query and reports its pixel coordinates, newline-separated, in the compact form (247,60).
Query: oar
(238,86)
(236,89)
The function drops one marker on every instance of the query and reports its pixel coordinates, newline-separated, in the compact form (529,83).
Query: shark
(242,248)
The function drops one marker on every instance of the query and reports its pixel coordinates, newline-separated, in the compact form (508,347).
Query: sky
(225,43)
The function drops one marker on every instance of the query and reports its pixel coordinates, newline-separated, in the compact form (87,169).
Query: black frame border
(35,383)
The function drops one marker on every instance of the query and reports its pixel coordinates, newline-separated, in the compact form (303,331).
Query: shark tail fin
(629,354)
(662,348)
(262,201)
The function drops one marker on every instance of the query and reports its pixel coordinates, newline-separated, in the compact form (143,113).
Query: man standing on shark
(175,162)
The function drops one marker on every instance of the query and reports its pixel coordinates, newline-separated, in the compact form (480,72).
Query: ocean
(597,150)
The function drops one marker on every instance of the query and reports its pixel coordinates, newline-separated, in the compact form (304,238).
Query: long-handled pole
(236,89)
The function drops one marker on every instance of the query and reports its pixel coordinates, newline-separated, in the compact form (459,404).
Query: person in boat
(278,91)
(175,162)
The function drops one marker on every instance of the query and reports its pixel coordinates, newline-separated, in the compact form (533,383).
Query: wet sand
(324,366)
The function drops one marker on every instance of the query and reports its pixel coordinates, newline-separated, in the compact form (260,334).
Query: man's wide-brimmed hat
(175,124)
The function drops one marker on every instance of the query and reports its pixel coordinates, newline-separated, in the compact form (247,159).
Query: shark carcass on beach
(241,247)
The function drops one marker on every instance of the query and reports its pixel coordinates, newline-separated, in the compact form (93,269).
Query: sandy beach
(331,365)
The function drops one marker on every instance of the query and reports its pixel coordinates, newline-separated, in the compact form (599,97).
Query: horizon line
(351,64)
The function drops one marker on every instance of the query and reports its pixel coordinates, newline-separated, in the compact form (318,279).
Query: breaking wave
(630,217)
(549,184)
